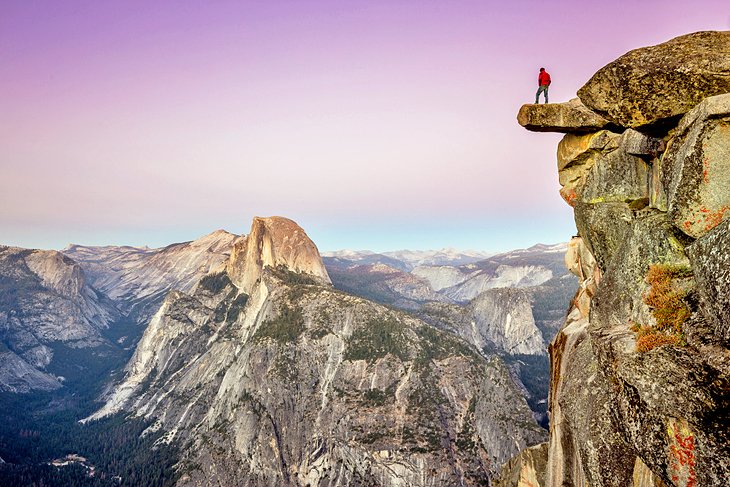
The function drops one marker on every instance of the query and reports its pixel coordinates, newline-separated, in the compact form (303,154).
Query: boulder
(651,85)
(696,168)
(617,177)
(711,264)
(566,117)
(576,155)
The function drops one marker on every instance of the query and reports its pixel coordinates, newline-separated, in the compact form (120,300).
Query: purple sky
(373,124)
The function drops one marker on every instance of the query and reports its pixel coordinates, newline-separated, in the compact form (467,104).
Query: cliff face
(640,371)
(265,375)
(138,279)
(45,306)
(274,242)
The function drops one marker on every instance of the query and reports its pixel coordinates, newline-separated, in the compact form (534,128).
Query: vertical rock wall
(640,385)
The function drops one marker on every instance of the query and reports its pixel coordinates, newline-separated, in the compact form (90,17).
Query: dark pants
(541,89)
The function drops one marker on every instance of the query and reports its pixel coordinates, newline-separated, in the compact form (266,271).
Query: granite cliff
(640,384)
(138,278)
(47,308)
(265,375)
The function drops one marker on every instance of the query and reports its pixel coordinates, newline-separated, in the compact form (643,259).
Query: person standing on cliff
(543,82)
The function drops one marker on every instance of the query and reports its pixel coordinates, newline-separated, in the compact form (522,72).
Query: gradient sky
(373,124)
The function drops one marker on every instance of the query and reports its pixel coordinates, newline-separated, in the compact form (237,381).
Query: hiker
(543,82)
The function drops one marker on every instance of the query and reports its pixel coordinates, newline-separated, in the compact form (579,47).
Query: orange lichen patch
(714,218)
(706,219)
(569,195)
(681,454)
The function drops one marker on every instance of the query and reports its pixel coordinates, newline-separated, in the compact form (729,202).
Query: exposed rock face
(274,242)
(137,279)
(526,469)
(441,277)
(654,84)
(622,417)
(695,169)
(711,262)
(294,383)
(502,323)
(497,322)
(503,318)
(45,302)
(382,283)
(17,375)
(480,280)
(566,117)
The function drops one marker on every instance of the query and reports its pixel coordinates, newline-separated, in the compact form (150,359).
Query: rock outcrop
(17,375)
(571,116)
(138,279)
(274,242)
(497,322)
(526,469)
(45,304)
(269,376)
(694,170)
(653,85)
(502,318)
(711,263)
(640,371)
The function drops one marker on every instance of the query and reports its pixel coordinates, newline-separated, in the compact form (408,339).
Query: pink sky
(373,124)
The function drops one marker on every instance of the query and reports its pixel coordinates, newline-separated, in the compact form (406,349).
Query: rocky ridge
(519,268)
(45,303)
(138,278)
(269,376)
(641,368)
(382,283)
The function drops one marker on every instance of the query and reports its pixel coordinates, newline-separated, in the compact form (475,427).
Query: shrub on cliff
(666,300)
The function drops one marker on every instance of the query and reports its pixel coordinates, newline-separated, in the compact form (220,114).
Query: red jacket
(543,79)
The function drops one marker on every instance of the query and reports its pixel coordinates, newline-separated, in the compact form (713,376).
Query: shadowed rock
(638,144)
(651,85)
(571,116)
(599,168)
(711,263)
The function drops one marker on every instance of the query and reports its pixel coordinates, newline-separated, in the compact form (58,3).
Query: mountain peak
(217,240)
(274,241)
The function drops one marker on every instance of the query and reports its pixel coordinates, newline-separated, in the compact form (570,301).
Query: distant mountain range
(258,358)
(511,304)
(408,259)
